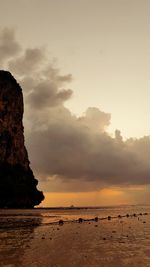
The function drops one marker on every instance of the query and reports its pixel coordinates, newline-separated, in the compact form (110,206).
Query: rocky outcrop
(17,182)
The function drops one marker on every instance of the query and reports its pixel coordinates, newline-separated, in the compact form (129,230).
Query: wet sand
(117,242)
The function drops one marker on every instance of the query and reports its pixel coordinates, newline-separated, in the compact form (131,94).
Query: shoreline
(61,222)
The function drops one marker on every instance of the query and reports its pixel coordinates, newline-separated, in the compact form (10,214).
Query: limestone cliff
(17,182)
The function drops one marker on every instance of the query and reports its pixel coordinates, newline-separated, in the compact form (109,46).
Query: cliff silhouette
(17,182)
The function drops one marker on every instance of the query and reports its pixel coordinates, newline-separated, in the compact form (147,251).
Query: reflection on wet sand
(119,242)
(15,236)
(80,238)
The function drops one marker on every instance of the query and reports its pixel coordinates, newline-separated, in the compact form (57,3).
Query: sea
(14,218)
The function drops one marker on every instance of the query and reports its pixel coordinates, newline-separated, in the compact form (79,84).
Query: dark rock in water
(96,219)
(61,222)
(17,182)
(80,220)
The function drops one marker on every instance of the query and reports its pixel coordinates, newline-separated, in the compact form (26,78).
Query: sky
(84,69)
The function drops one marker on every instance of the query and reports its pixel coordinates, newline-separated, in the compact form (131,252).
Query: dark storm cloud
(67,147)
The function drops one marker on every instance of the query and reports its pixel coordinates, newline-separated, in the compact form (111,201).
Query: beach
(115,242)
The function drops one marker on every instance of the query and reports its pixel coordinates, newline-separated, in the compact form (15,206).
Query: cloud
(68,149)
(9,47)
(30,61)
(64,148)
(42,83)
(47,92)
(95,119)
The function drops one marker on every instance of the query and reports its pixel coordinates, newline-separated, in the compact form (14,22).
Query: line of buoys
(80,220)
(96,219)
(61,222)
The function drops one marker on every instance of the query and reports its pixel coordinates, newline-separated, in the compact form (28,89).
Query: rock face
(17,182)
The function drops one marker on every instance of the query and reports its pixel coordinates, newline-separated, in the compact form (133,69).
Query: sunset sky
(84,66)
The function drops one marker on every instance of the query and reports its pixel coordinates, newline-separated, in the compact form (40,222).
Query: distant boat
(72,207)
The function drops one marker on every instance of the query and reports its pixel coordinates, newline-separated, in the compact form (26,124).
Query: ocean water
(11,218)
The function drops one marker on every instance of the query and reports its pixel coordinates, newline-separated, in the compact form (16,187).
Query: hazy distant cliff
(17,183)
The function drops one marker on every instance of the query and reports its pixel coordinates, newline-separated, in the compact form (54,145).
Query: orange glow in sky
(97,198)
